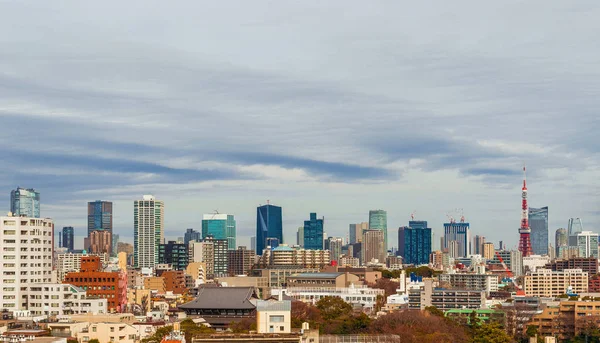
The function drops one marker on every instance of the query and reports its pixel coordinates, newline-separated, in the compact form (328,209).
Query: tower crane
(520,291)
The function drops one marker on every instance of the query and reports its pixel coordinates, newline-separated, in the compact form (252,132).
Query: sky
(337,107)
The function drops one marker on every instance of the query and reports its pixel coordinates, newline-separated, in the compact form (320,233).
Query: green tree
(191,329)
(435,311)
(158,335)
(333,307)
(72,341)
(490,333)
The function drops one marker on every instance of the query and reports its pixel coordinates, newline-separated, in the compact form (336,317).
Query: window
(93,329)
(276,319)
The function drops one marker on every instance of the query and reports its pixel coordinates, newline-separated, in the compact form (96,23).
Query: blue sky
(334,108)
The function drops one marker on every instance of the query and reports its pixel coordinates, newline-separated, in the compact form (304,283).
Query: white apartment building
(203,252)
(357,295)
(533,262)
(71,262)
(469,281)
(548,283)
(274,316)
(148,230)
(53,299)
(26,257)
(346,261)
(284,255)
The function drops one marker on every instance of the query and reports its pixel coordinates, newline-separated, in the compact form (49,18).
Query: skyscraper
(478,242)
(574,226)
(538,222)
(191,235)
(313,233)
(587,242)
(561,240)
(355,231)
(335,247)
(148,230)
(378,221)
(25,202)
(300,236)
(372,246)
(67,236)
(100,218)
(175,254)
(100,242)
(460,233)
(415,246)
(268,224)
(220,226)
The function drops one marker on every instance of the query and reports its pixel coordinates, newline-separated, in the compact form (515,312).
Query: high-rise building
(488,251)
(221,263)
(115,242)
(378,221)
(313,233)
(100,216)
(191,235)
(460,233)
(356,230)
(240,261)
(25,202)
(335,247)
(300,236)
(538,222)
(27,249)
(220,226)
(269,224)
(253,243)
(587,242)
(100,242)
(478,242)
(416,244)
(574,226)
(175,254)
(203,252)
(372,246)
(67,238)
(561,239)
(148,230)
(284,256)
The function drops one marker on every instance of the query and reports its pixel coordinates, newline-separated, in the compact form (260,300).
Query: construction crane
(520,291)
(412,215)
(215,214)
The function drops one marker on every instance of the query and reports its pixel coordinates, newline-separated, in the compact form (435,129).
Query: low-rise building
(52,299)
(103,332)
(174,281)
(198,271)
(155,283)
(277,277)
(567,318)
(361,296)
(548,283)
(533,262)
(468,281)
(273,316)
(586,264)
(324,280)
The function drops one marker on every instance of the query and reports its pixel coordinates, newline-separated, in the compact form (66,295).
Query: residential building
(446,299)
(459,232)
(469,281)
(463,316)
(436,260)
(335,247)
(373,246)
(240,261)
(220,255)
(173,253)
(548,283)
(277,277)
(268,224)
(561,239)
(587,242)
(324,280)
(568,251)
(203,252)
(378,221)
(284,255)
(67,238)
(191,235)
(347,261)
(586,264)
(27,256)
(538,223)
(274,316)
(566,319)
(488,251)
(102,331)
(174,281)
(313,233)
(111,286)
(148,230)
(71,262)
(100,242)
(51,299)
(220,226)
(361,296)
(300,237)
(533,262)
(198,271)
(122,257)
(155,283)
(253,243)
(25,202)
(356,231)
(415,246)
(478,242)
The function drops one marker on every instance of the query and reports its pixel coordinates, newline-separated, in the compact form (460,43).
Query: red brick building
(174,281)
(111,286)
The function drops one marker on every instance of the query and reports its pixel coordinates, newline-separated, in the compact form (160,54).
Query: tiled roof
(222,298)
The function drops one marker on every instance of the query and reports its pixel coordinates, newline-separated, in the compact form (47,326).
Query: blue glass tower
(25,202)
(191,235)
(221,227)
(461,233)
(415,246)
(313,233)
(538,222)
(268,225)
(100,216)
(67,236)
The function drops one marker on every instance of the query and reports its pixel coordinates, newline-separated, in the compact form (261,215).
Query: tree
(191,329)
(302,312)
(158,335)
(420,327)
(387,285)
(72,341)
(93,340)
(242,326)
(490,333)
(333,307)
(435,311)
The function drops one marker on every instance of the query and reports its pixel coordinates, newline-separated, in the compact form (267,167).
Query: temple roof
(222,298)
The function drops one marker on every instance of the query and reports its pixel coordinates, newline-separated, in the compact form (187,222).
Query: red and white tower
(524,230)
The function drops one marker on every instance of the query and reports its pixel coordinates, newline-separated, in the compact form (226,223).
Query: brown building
(111,286)
(586,264)
(567,319)
(174,281)
(594,284)
(155,283)
(240,261)
(100,242)
(323,280)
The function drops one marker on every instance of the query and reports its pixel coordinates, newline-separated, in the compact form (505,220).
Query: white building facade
(53,299)
(363,296)
(148,230)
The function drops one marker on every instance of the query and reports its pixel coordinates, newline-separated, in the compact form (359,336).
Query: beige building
(139,297)
(548,283)
(489,251)
(203,252)
(122,260)
(259,283)
(373,246)
(284,255)
(323,280)
(198,272)
(155,283)
(277,277)
(346,261)
(356,231)
(103,332)
(274,316)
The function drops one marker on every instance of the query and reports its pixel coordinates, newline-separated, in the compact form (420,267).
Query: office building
(203,252)
(100,216)
(220,226)
(220,256)
(561,239)
(148,230)
(100,242)
(115,243)
(173,253)
(478,242)
(574,226)
(586,264)
(460,233)
(587,242)
(27,249)
(300,237)
(356,231)
(313,233)
(468,281)
(373,246)
(253,243)
(67,236)
(548,283)
(268,224)
(378,221)
(191,235)
(272,242)
(25,202)
(335,247)
(538,223)
(488,251)
(285,256)
(240,261)
(414,242)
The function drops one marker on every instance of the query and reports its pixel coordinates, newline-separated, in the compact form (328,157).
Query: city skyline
(348,117)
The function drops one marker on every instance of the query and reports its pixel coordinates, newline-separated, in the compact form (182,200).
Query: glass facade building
(461,234)
(221,227)
(538,223)
(100,216)
(561,240)
(313,233)
(414,242)
(269,224)
(67,238)
(191,235)
(25,202)
(175,254)
(378,221)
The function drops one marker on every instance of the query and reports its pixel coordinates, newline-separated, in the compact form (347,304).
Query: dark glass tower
(67,235)
(313,233)
(415,246)
(100,218)
(192,235)
(538,223)
(268,225)
(25,202)
(175,254)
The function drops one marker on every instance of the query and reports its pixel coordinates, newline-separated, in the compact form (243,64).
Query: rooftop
(316,275)
(222,298)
